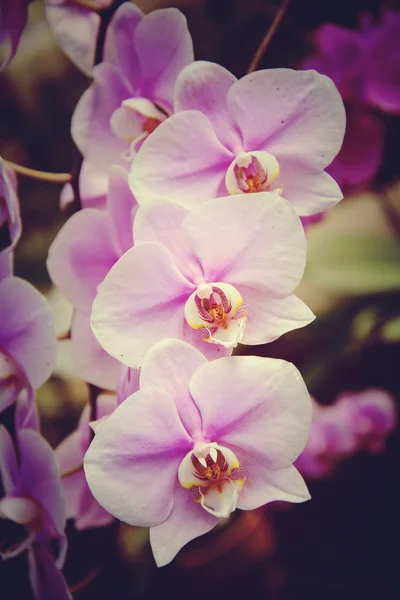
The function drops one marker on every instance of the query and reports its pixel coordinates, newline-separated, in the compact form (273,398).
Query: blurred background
(344,542)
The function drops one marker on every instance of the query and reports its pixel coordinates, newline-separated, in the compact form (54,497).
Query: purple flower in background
(27,346)
(356,421)
(273,130)
(132,89)
(10,220)
(80,257)
(76,29)
(365,66)
(364,63)
(198,440)
(32,514)
(218,275)
(80,503)
(13,15)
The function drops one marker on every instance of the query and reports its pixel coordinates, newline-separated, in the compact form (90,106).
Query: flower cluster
(32,512)
(364,64)
(194,191)
(189,243)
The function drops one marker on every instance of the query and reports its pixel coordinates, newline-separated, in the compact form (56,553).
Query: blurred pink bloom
(80,504)
(75,29)
(132,89)
(363,146)
(198,440)
(32,511)
(365,65)
(82,254)
(218,275)
(273,130)
(13,15)
(356,421)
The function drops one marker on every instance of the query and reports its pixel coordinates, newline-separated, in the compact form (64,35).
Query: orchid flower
(132,90)
(274,130)
(355,421)
(222,274)
(32,514)
(198,440)
(80,257)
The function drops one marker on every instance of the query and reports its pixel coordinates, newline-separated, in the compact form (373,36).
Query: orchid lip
(136,117)
(252,172)
(213,476)
(217,313)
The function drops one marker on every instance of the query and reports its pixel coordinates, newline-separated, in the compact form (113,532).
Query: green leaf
(355,265)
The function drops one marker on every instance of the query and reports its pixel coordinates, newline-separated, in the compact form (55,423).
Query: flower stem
(42,175)
(268,36)
(91,5)
(72,470)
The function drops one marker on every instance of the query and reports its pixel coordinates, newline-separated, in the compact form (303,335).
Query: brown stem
(268,36)
(72,470)
(85,581)
(42,175)
(91,5)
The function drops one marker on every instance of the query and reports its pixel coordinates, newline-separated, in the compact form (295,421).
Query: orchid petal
(47,580)
(269,318)
(75,29)
(91,361)
(204,86)
(254,240)
(140,302)
(190,162)
(27,329)
(119,47)
(169,365)
(131,465)
(186,521)
(81,256)
(164,46)
(40,476)
(161,222)
(9,475)
(257,405)
(90,127)
(265,485)
(276,108)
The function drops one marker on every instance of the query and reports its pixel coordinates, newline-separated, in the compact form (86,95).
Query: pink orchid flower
(82,254)
(273,130)
(198,440)
(356,421)
(80,503)
(132,90)
(32,511)
(221,274)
